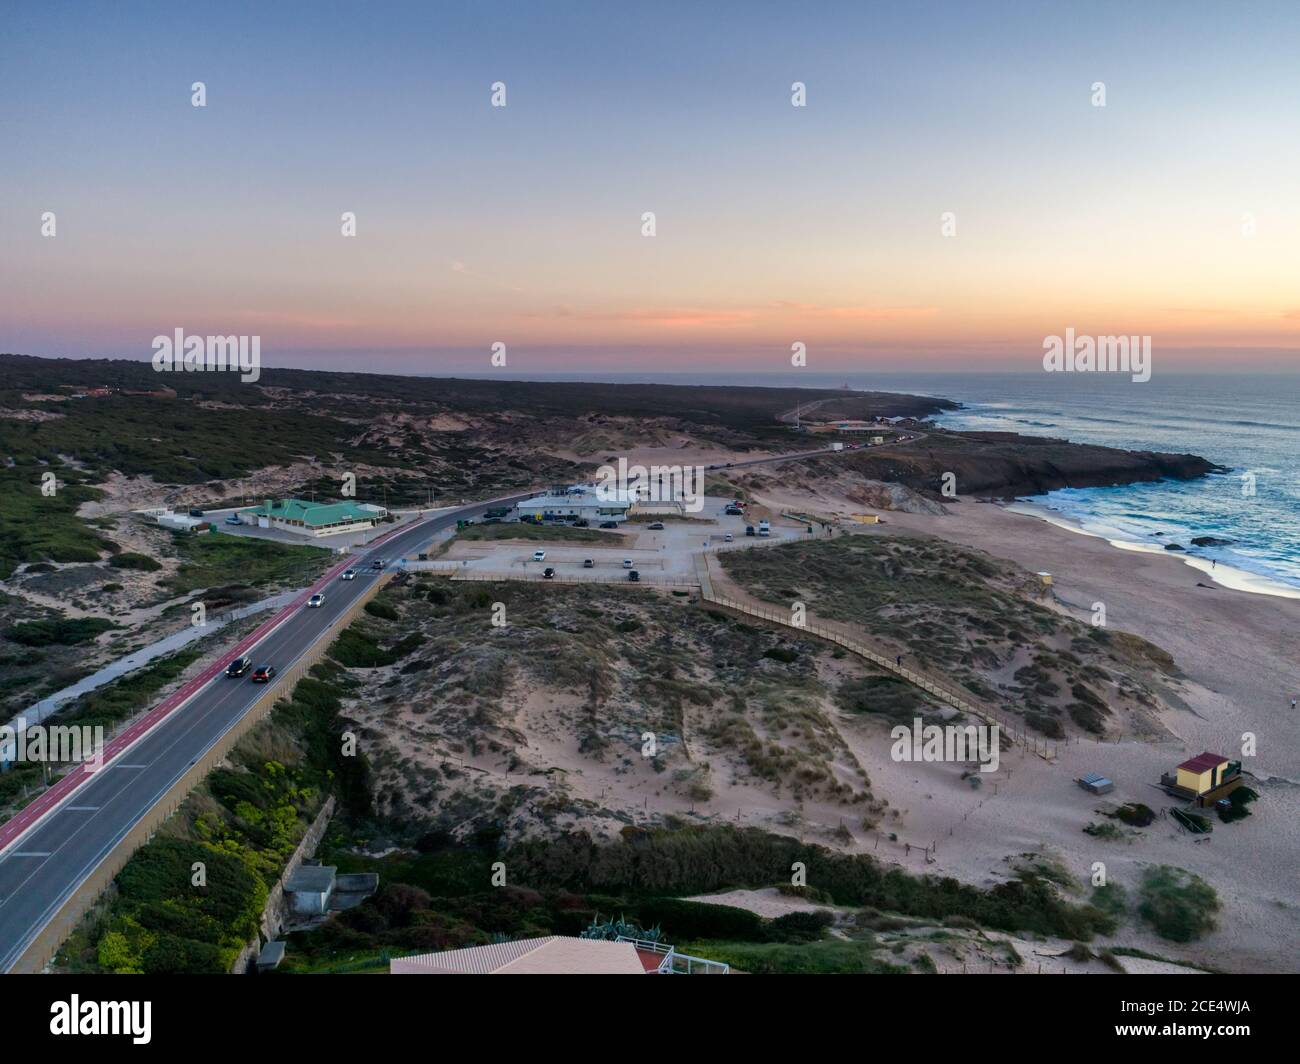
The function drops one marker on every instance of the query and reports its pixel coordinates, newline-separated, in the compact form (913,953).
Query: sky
(1172,211)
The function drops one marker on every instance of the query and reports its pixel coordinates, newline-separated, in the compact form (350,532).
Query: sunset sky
(775,224)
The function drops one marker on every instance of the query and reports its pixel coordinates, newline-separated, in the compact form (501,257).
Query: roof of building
(311,879)
(1203,762)
(317,514)
(552,955)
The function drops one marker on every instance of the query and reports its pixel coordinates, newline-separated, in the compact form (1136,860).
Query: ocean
(1249,423)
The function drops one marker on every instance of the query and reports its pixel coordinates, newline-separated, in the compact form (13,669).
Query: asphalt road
(43,867)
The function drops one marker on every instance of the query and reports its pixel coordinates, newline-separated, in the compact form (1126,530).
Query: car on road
(728,537)
(609,524)
(749,530)
(627,563)
(587,563)
(263,674)
(316,601)
(349,574)
(539,555)
(634,576)
(196,512)
(378,564)
(656,526)
(238,667)
(548,573)
(233,519)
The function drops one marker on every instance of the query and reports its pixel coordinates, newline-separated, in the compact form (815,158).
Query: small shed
(1095,783)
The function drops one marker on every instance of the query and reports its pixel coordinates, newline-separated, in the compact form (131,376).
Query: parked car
(238,667)
(316,601)
(656,526)
(539,555)
(548,573)
(233,519)
(634,576)
(263,674)
(581,522)
(749,530)
(609,524)
(196,512)
(349,574)
(587,563)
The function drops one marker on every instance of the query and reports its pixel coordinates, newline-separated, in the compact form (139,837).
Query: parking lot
(660,556)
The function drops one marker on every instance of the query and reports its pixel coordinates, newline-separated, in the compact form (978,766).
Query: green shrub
(1178,904)
(129,560)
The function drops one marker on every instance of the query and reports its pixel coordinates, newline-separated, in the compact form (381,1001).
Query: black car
(609,524)
(581,522)
(634,576)
(749,530)
(263,674)
(238,667)
(548,574)
(196,513)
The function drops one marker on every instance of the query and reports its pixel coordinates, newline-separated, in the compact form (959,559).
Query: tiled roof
(1202,762)
(552,955)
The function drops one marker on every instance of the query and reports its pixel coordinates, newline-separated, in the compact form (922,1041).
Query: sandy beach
(1237,650)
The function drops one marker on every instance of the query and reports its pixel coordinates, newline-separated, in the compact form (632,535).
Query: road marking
(81,808)
(130,766)
(29,853)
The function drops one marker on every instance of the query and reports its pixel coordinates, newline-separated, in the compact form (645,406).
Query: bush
(800,926)
(1178,904)
(129,560)
(66,631)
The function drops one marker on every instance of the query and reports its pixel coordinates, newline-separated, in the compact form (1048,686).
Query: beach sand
(1238,651)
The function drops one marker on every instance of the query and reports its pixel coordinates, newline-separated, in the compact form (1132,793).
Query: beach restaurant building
(314,519)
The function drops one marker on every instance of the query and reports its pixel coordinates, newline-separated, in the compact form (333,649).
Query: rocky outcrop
(896,497)
(1007,465)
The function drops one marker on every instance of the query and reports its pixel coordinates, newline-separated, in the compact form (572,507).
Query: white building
(579,502)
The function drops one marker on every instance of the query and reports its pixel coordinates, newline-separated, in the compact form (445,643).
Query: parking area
(665,555)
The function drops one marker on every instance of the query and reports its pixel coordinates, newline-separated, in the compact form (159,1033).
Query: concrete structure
(312,518)
(572,504)
(556,955)
(270,957)
(309,889)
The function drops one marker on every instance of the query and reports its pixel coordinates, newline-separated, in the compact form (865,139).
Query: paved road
(54,844)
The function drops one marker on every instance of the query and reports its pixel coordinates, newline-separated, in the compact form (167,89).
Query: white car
(627,563)
(349,574)
(539,555)
(728,537)
(316,601)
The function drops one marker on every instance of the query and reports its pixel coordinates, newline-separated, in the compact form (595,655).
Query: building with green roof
(314,518)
